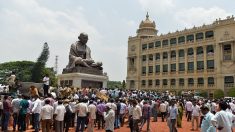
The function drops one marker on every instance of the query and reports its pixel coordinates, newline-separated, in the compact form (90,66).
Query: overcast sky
(26,24)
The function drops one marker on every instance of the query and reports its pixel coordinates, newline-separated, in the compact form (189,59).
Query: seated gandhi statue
(80,54)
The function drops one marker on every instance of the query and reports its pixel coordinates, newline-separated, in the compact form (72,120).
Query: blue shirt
(206,123)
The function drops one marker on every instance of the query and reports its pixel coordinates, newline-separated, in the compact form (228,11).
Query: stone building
(200,58)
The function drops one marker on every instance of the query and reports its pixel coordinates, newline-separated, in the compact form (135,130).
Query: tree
(123,84)
(218,94)
(37,71)
(21,68)
(114,84)
(231,92)
(203,93)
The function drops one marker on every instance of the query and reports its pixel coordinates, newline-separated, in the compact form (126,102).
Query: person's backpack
(68,112)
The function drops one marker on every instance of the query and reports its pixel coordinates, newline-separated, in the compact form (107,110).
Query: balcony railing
(211,85)
(200,85)
(210,70)
(229,85)
(181,72)
(164,73)
(181,58)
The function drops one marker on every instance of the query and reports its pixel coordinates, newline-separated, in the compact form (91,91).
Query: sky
(26,24)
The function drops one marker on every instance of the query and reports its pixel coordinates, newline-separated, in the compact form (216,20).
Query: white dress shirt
(196,110)
(109,120)
(47,112)
(82,109)
(37,106)
(222,119)
(60,111)
(137,112)
(92,111)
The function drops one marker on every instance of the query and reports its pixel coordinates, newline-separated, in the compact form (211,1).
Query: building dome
(147,23)
(147,28)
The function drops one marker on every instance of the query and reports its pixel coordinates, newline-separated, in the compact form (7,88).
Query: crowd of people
(83,109)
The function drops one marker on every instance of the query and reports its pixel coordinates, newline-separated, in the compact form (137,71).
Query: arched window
(190,37)
(157,56)
(172,81)
(164,81)
(199,50)
(173,54)
(190,81)
(181,39)
(173,41)
(209,34)
(181,53)
(165,42)
(165,55)
(157,82)
(209,49)
(150,57)
(200,81)
(199,36)
(190,51)
(211,80)
(181,81)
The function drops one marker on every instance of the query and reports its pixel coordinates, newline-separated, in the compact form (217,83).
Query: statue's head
(83,37)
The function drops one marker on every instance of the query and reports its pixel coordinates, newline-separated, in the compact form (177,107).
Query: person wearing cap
(109,118)
(206,122)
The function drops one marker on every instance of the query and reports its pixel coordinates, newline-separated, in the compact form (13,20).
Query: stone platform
(83,80)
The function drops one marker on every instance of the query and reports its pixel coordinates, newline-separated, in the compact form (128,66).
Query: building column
(168,61)
(186,83)
(177,83)
(206,83)
(186,60)
(177,61)
(205,59)
(195,59)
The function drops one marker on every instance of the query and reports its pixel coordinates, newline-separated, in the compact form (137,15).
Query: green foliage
(203,93)
(51,73)
(231,92)
(218,94)
(114,84)
(37,71)
(123,84)
(21,68)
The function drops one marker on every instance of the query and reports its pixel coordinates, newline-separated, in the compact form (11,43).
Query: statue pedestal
(83,80)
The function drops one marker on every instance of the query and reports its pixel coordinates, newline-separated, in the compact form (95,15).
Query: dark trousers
(59,126)
(72,119)
(15,121)
(6,117)
(81,123)
(22,122)
(189,114)
(172,125)
(108,131)
(136,125)
(36,122)
(67,124)
(45,89)
(201,119)
(163,114)
(100,120)
(122,117)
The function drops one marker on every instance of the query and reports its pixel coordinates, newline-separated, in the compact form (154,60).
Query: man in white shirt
(59,113)
(92,116)
(188,107)
(37,106)
(47,116)
(206,123)
(213,107)
(172,116)
(109,118)
(222,120)
(82,115)
(162,109)
(137,114)
(195,115)
(46,81)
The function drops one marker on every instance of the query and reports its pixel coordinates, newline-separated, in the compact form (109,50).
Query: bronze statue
(80,56)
